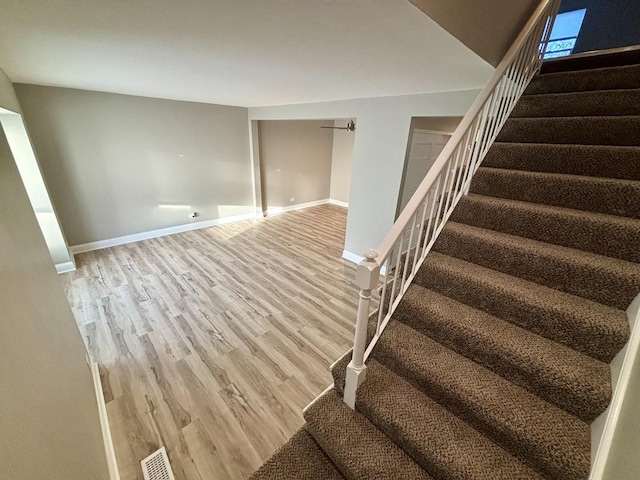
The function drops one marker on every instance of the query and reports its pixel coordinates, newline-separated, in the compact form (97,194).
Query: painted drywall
(27,163)
(22,150)
(243,53)
(610,24)
(48,410)
(341,161)
(8,98)
(256,174)
(295,158)
(119,165)
(487,28)
(624,462)
(382,130)
(436,124)
(433,124)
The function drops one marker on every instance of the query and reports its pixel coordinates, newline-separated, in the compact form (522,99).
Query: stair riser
(589,160)
(612,197)
(593,282)
(338,372)
(600,79)
(573,130)
(616,102)
(585,403)
(610,236)
(439,441)
(356,446)
(557,325)
(429,378)
(285,462)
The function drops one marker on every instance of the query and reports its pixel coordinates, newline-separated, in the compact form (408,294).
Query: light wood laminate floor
(211,342)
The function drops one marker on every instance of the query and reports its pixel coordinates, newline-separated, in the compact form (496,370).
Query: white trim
(112,463)
(321,394)
(351,257)
(340,203)
(432,132)
(136,237)
(611,416)
(297,206)
(65,267)
(339,359)
(256,171)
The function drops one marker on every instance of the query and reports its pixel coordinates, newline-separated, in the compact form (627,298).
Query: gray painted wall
(48,411)
(296,161)
(110,161)
(8,98)
(342,161)
(487,28)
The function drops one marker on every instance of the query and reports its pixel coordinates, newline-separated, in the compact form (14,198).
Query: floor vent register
(157,467)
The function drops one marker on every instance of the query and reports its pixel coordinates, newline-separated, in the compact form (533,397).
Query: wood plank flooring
(211,342)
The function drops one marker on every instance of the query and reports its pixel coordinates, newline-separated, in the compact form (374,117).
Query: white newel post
(367,277)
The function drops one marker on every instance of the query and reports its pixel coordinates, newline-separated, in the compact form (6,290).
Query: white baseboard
(136,237)
(604,427)
(110,452)
(65,267)
(340,203)
(351,257)
(297,206)
(324,392)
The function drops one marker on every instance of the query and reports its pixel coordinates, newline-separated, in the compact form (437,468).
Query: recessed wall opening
(304,163)
(427,138)
(20,145)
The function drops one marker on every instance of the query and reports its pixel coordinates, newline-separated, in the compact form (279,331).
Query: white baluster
(367,278)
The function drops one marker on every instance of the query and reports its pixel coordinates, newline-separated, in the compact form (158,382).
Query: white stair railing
(415,231)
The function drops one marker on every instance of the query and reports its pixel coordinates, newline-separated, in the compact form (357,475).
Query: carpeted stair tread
(593,194)
(591,160)
(573,104)
(586,326)
(603,130)
(301,458)
(546,437)
(609,78)
(573,381)
(608,235)
(442,443)
(355,445)
(496,360)
(602,279)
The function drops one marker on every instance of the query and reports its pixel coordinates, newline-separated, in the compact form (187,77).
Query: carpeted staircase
(497,359)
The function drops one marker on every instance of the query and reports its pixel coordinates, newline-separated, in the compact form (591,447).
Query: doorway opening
(427,138)
(302,163)
(25,158)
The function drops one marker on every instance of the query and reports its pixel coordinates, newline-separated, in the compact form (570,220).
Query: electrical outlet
(291,199)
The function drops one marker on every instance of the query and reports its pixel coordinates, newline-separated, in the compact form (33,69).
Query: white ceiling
(234,52)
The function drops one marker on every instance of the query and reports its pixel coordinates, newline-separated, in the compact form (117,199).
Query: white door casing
(425,147)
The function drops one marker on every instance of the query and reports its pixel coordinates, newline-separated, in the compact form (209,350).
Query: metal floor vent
(157,467)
